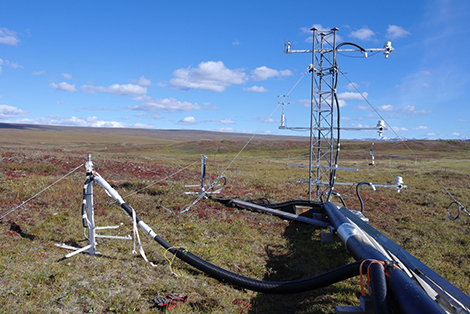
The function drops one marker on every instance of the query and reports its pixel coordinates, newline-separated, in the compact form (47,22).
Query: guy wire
(256,132)
(152,184)
(35,195)
(403,141)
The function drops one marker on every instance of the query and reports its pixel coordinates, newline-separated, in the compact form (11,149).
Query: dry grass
(35,279)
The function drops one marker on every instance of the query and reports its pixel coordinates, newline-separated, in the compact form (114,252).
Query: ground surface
(158,164)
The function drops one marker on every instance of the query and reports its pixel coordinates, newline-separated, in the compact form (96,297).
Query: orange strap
(372,261)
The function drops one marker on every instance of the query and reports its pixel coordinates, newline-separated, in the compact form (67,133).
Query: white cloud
(142,98)
(352,95)
(305,102)
(386,108)
(399,128)
(90,121)
(363,34)
(13,65)
(7,112)
(352,86)
(362,107)
(66,76)
(142,81)
(210,75)
(408,108)
(166,105)
(155,116)
(223,121)
(85,122)
(263,119)
(225,130)
(126,90)
(421,127)
(341,103)
(256,89)
(116,89)
(187,120)
(37,73)
(64,86)
(226,121)
(235,43)
(8,37)
(208,106)
(394,32)
(263,73)
(140,126)
(410,111)
(405,112)
(93,109)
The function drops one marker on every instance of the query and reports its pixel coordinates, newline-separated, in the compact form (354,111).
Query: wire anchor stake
(202,187)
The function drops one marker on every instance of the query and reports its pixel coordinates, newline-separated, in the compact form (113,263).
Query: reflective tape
(347,230)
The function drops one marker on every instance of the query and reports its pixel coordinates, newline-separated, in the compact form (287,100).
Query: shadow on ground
(304,256)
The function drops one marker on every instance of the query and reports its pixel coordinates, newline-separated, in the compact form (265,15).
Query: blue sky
(220,66)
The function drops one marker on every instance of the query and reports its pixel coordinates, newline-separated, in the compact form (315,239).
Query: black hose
(406,297)
(287,204)
(359,195)
(338,117)
(282,287)
(340,197)
(378,287)
(338,121)
(282,205)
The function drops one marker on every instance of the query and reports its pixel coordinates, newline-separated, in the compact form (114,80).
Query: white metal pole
(91,219)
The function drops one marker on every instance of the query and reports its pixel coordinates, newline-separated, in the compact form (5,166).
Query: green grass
(35,279)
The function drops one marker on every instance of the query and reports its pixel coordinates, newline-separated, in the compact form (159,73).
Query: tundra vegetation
(36,279)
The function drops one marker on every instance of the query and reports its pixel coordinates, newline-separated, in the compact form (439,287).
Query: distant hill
(182,135)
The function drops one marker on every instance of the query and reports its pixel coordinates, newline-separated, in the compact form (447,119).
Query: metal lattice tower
(324,109)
